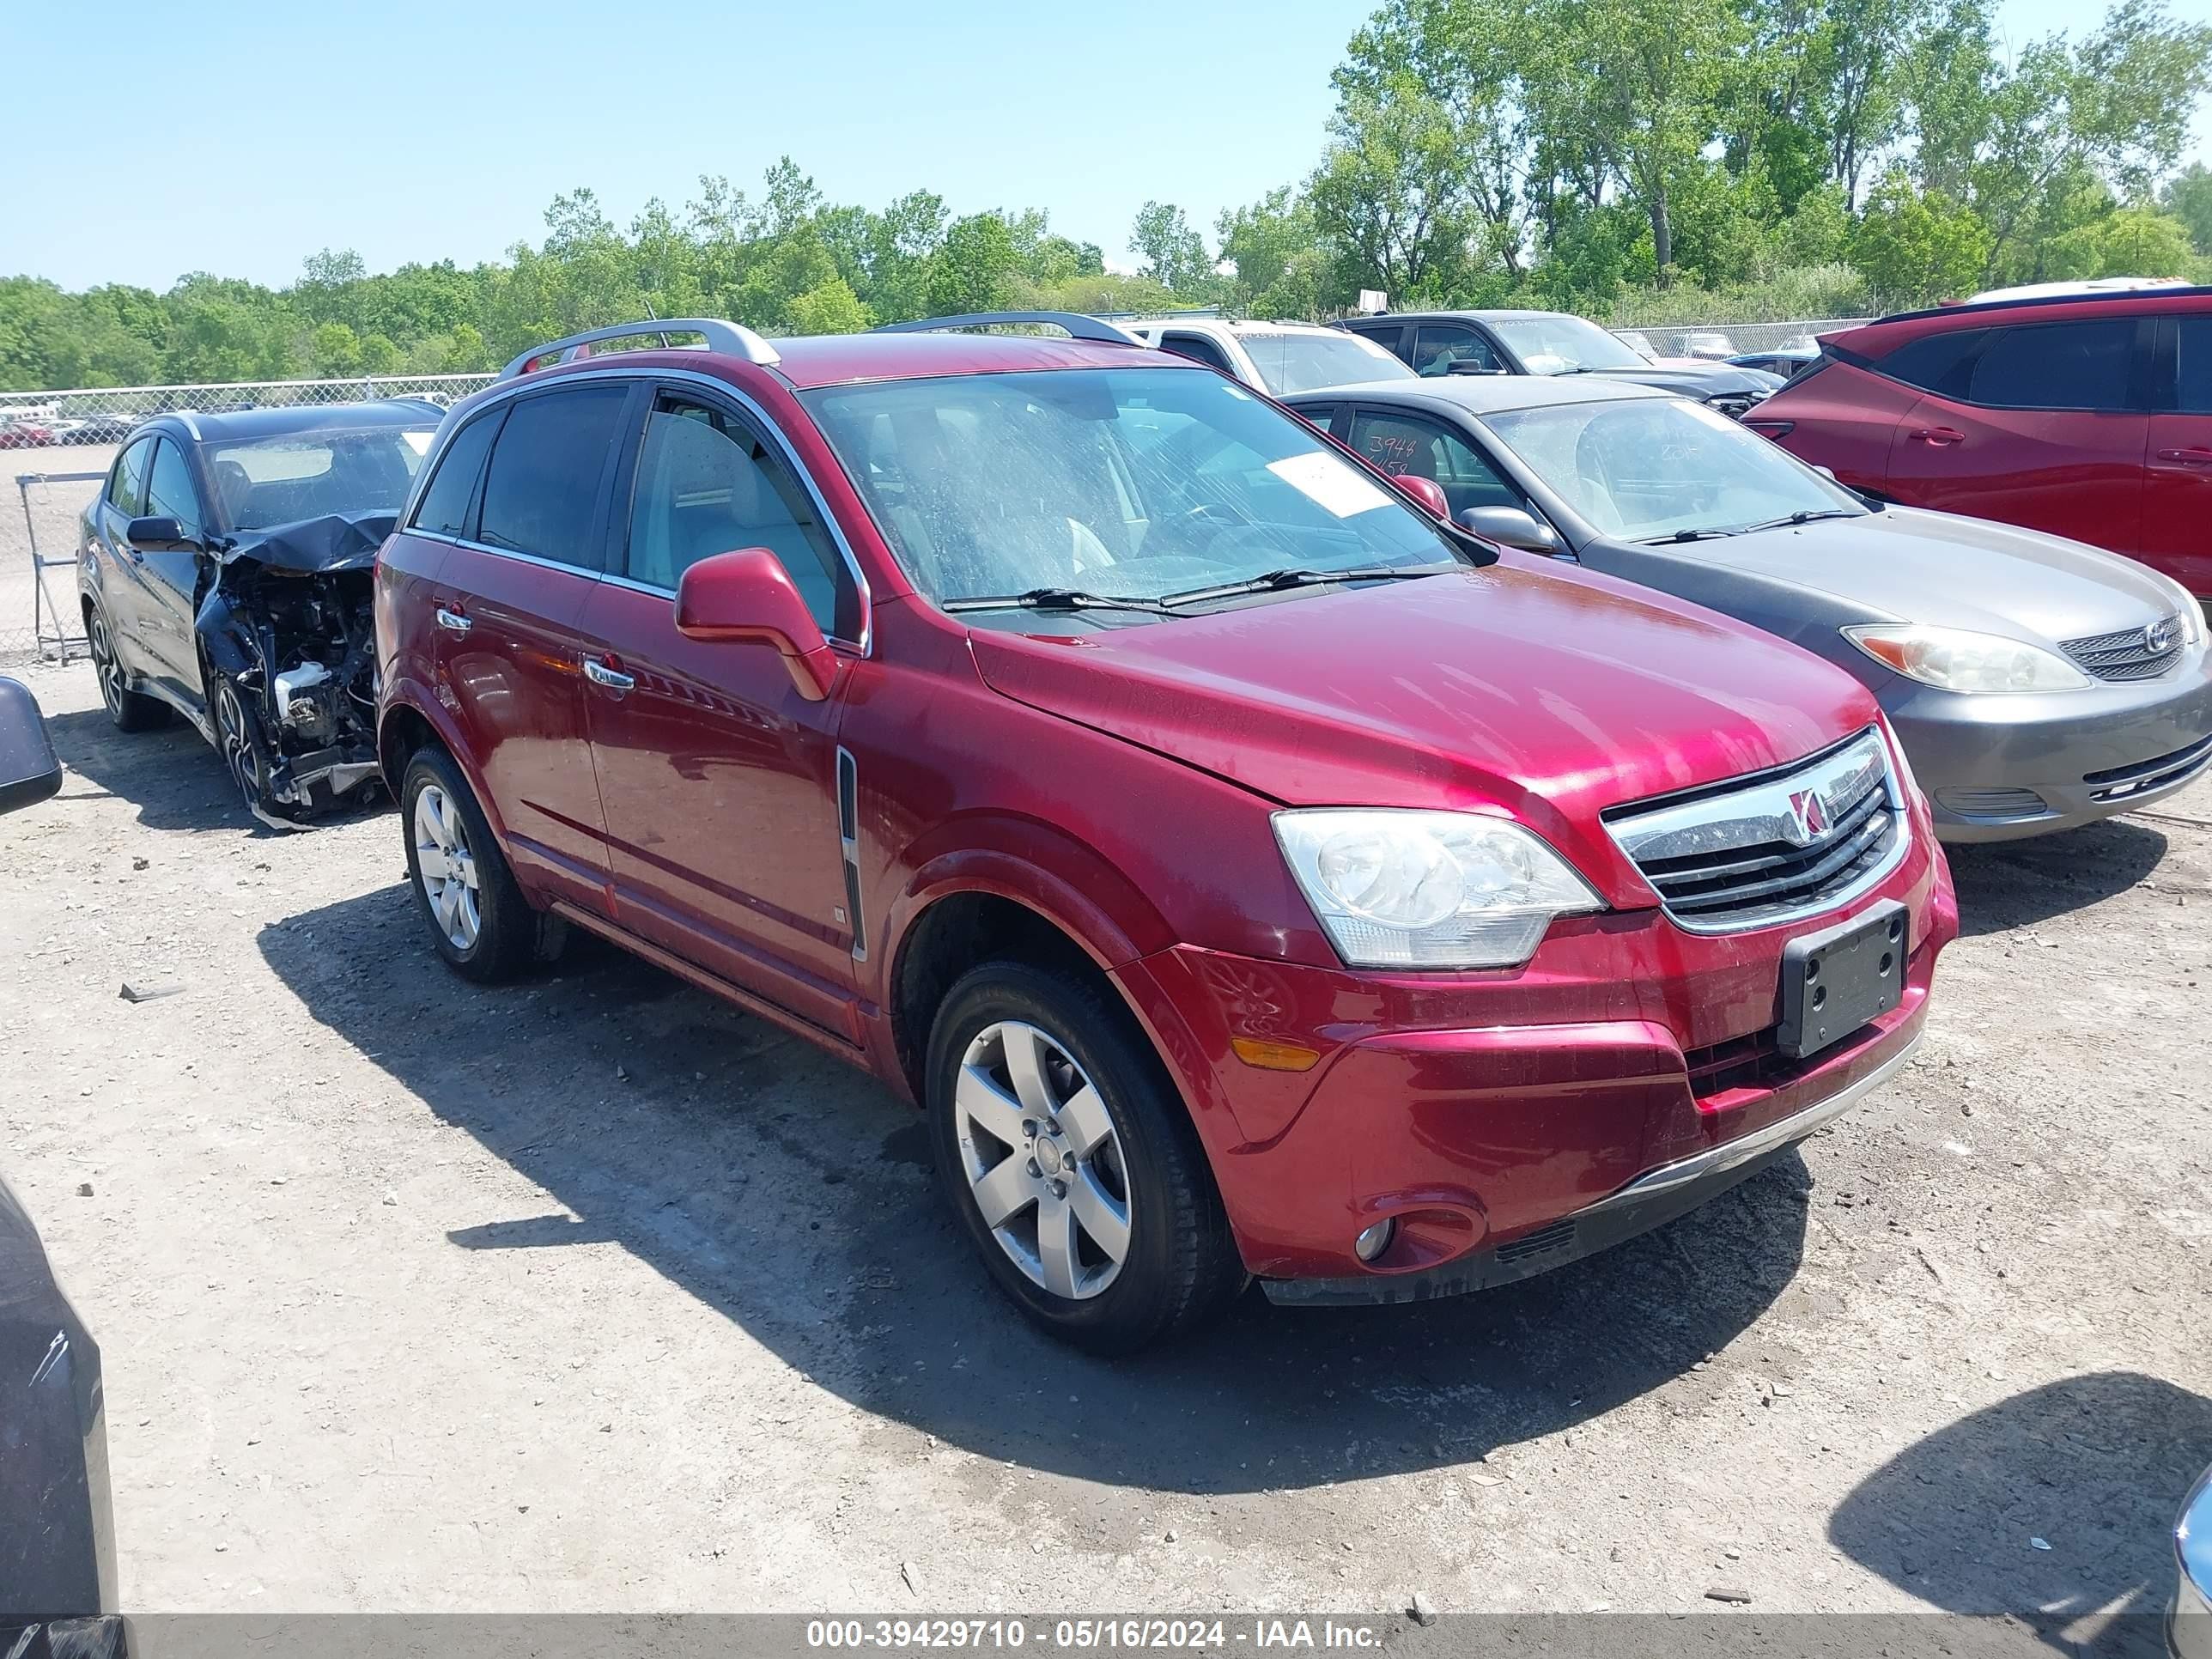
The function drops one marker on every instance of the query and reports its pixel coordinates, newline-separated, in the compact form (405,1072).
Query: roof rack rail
(1077,326)
(730,338)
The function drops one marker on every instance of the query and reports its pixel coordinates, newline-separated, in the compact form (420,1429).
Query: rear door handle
(601,672)
(453,622)
(1938,435)
(2187,456)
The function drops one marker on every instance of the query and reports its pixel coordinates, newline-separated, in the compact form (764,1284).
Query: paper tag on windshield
(1332,484)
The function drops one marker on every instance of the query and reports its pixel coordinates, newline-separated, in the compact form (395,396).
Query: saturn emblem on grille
(1807,817)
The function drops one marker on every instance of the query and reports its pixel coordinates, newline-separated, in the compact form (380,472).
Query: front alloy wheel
(236,746)
(1043,1161)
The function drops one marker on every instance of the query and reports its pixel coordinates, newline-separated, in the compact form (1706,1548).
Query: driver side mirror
(158,535)
(1427,491)
(28,771)
(749,595)
(1511,525)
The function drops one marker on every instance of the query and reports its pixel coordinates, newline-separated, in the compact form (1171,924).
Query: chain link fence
(55,449)
(1724,340)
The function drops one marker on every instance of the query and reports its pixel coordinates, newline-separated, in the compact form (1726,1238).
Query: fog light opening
(1377,1239)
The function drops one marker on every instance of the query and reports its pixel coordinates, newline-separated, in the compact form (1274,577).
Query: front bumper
(1628,1072)
(1652,1200)
(1999,768)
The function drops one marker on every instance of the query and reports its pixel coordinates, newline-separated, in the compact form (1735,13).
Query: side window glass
(1441,345)
(1936,362)
(1425,450)
(126,485)
(543,481)
(2057,366)
(169,491)
(706,485)
(1199,350)
(2193,379)
(445,506)
(1390,336)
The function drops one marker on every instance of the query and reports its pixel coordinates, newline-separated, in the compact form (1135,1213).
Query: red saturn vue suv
(1246,873)
(2085,415)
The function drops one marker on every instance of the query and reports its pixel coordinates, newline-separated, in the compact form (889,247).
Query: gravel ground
(596,1294)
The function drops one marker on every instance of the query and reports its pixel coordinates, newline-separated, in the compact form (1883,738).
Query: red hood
(1546,693)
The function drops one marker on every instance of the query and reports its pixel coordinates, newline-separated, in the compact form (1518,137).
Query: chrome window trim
(506,391)
(1631,830)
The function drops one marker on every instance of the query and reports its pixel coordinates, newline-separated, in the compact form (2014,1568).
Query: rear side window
(1439,345)
(2057,366)
(706,485)
(1199,350)
(2193,381)
(1936,362)
(126,486)
(543,485)
(445,509)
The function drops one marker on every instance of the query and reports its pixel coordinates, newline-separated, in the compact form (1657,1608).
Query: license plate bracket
(1835,980)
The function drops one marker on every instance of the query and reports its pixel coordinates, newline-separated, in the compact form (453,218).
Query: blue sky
(148,139)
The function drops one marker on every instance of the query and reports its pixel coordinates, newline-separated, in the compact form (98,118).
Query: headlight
(1957,659)
(1405,888)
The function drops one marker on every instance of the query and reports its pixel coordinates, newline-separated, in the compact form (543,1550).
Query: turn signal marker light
(1275,1056)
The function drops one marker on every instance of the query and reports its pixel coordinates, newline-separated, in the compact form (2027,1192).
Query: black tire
(129,711)
(510,935)
(237,727)
(1181,1266)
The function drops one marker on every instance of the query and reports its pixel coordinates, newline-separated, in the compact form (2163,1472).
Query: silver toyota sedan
(2037,683)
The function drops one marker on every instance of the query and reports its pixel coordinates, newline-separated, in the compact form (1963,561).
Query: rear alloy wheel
(128,709)
(1071,1161)
(479,921)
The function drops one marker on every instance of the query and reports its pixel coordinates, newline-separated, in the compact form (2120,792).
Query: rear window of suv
(2057,366)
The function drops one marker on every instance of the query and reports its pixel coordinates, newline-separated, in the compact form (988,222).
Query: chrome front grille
(1774,846)
(2133,653)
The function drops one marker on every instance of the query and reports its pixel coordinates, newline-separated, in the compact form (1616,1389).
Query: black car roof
(298,419)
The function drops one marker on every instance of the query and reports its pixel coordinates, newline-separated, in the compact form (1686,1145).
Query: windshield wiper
(1058,599)
(1271,581)
(1806,516)
(1687,536)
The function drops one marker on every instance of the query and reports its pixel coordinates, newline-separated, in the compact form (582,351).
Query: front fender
(1036,864)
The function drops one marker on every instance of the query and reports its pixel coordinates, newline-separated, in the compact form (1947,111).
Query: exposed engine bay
(285,625)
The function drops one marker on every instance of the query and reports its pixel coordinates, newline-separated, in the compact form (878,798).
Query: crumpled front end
(290,642)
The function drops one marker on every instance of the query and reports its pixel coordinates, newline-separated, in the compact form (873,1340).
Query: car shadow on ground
(170,776)
(2017,884)
(2094,1468)
(792,1194)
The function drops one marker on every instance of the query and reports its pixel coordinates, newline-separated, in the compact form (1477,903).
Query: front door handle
(1938,435)
(2187,456)
(454,623)
(602,673)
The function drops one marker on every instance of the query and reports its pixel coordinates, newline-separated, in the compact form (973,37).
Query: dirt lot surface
(596,1294)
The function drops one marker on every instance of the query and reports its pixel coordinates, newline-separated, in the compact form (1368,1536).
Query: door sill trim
(615,933)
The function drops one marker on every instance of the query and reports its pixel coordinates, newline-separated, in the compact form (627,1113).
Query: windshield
(310,474)
(1560,345)
(1290,362)
(1134,483)
(1647,468)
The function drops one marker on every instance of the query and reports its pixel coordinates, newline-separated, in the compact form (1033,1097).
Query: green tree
(1916,246)
(2188,197)
(830,308)
(974,268)
(1170,252)
(1391,196)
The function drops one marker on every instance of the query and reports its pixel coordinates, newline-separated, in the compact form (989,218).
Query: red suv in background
(2087,416)
(1247,874)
